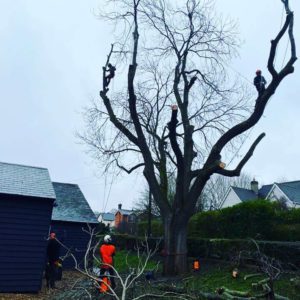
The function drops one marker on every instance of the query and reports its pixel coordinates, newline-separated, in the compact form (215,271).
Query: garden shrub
(130,242)
(228,249)
(156,228)
(258,219)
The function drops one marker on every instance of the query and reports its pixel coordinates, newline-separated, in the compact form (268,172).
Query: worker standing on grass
(259,82)
(107,252)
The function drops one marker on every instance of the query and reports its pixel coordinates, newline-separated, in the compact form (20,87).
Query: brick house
(125,220)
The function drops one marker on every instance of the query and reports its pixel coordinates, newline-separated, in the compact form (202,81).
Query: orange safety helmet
(258,72)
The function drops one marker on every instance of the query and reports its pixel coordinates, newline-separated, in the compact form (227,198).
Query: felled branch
(233,294)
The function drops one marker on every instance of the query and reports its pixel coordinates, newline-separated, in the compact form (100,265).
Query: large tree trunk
(175,245)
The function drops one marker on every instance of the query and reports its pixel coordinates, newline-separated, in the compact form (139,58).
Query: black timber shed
(70,216)
(26,202)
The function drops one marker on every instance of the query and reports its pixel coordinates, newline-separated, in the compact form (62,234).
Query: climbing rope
(108,195)
(286,48)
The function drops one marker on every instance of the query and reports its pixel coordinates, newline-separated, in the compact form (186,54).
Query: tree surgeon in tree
(259,82)
(111,74)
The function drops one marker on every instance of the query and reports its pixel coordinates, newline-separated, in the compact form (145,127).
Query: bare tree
(181,49)
(142,204)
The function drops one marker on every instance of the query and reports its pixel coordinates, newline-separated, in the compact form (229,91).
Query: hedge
(156,228)
(130,242)
(258,219)
(226,249)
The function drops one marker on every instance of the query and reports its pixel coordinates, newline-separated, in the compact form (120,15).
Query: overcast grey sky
(51,53)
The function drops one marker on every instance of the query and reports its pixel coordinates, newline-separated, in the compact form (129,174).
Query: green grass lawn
(123,260)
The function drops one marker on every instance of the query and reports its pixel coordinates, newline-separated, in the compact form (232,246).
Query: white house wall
(110,223)
(277,194)
(231,199)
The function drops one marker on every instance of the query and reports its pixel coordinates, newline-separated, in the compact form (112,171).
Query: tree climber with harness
(111,74)
(259,82)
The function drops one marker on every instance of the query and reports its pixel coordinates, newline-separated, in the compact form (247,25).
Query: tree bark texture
(175,246)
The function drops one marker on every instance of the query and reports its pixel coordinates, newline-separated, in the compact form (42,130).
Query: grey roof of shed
(25,181)
(71,204)
(244,194)
(291,189)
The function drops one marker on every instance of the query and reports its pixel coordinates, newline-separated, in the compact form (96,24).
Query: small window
(131,218)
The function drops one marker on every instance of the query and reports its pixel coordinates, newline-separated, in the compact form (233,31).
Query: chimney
(119,206)
(254,186)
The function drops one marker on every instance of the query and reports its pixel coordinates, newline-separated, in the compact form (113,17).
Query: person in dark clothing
(111,74)
(107,252)
(53,249)
(259,82)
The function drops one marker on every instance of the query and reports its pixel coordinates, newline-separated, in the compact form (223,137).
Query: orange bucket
(196,265)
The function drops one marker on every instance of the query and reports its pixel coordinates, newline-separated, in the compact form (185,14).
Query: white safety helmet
(107,239)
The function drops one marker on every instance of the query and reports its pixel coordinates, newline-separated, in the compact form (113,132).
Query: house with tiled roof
(288,192)
(125,220)
(70,220)
(26,201)
(108,219)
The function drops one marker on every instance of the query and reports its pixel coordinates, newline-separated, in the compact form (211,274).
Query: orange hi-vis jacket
(107,251)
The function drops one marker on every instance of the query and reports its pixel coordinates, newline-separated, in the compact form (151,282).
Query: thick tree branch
(172,135)
(238,169)
(149,170)
(262,100)
(286,6)
(112,152)
(113,118)
(131,91)
(274,44)
(130,170)
(106,101)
